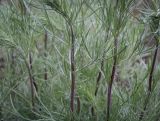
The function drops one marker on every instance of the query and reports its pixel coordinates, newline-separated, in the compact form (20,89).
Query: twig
(112,79)
(150,81)
(73,73)
(152,68)
(34,87)
(31,79)
(13,62)
(45,55)
(98,83)
(99,76)
(78,105)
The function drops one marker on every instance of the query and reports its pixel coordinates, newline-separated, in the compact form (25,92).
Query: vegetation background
(79,60)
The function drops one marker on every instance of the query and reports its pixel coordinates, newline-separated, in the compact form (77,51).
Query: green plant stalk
(109,95)
(56,7)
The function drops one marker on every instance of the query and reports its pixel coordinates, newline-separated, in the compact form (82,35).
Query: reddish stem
(150,81)
(73,73)
(31,79)
(112,79)
(152,69)
(45,55)
(99,76)
(78,105)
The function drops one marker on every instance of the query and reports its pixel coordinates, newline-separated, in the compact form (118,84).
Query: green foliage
(96,24)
